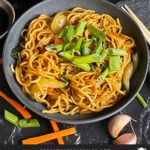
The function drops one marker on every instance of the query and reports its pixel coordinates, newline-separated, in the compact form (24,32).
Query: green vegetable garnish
(105,73)
(142,101)
(98,47)
(31,123)
(58,48)
(103,55)
(114,63)
(69,47)
(84,47)
(66,55)
(63,32)
(88,42)
(14,53)
(78,44)
(85,50)
(85,67)
(13,119)
(86,59)
(80,28)
(114,51)
(69,34)
(97,33)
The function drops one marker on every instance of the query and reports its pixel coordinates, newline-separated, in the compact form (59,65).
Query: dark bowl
(51,7)
(8,8)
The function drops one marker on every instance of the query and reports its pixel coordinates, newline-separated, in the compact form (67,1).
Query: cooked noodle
(86,92)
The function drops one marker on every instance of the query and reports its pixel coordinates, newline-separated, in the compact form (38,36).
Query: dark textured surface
(96,133)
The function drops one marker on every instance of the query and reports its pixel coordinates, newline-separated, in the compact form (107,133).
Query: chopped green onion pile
(80,28)
(114,63)
(86,53)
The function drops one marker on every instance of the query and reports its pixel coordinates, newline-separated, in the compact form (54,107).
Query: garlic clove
(127,138)
(117,123)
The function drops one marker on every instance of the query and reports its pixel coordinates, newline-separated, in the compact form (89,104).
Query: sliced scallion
(98,47)
(86,59)
(63,32)
(142,101)
(97,33)
(85,50)
(80,28)
(10,117)
(31,123)
(69,34)
(88,42)
(103,55)
(58,47)
(85,67)
(114,63)
(69,47)
(115,51)
(105,73)
(78,44)
(66,55)
(84,47)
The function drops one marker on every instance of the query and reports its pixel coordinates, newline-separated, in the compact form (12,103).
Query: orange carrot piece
(49,90)
(56,129)
(1,62)
(58,41)
(48,137)
(16,105)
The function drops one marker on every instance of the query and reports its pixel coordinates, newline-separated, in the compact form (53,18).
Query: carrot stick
(48,137)
(56,129)
(16,105)
(1,62)
(58,41)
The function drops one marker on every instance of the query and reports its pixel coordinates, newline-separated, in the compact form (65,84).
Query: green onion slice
(80,28)
(31,123)
(10,117)
(114,63)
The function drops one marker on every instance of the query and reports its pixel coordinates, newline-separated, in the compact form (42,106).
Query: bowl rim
(12,19)
(84,121)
